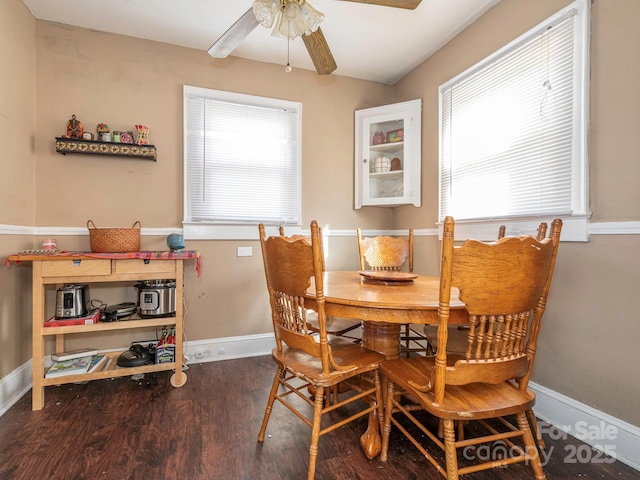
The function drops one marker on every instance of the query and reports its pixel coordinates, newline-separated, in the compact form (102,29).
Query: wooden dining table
(383,306)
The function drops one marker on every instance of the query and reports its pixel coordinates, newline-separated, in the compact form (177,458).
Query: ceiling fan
(291,19)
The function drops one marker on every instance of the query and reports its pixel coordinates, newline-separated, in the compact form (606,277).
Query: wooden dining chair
(304,359)
(338,326)
(504,285)
(457,340)
(392,254)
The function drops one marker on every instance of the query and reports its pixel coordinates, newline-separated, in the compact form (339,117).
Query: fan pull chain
(287,69)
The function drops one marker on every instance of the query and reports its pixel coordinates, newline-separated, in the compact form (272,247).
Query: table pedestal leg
(383,338)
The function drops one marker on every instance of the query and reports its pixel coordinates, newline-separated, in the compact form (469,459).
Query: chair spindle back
(384,252)
(504,286)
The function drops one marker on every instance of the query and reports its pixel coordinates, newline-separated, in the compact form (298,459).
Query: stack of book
(75,363)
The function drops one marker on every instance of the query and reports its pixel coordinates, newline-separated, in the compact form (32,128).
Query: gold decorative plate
(388,276)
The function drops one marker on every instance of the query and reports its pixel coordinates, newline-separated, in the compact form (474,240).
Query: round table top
(347,291)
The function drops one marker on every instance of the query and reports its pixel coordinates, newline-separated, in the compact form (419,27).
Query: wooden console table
(86,267)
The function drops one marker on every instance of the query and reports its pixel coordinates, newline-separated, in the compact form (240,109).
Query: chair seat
(464,402)
(345,354)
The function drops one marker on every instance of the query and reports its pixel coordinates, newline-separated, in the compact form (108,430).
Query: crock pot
(157,298)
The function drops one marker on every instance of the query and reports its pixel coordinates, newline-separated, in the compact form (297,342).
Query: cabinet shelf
(387,147)
(394,173)
(92,147)
(104,326)
(111,371)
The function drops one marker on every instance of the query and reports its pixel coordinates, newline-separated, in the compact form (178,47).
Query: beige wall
(123,81)
(17,112)
(587,348)
(17,164)
(591,319)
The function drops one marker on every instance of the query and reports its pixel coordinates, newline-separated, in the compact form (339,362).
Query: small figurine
(379,138)
(102,128)
(143,134)
(126,137)
(74,128)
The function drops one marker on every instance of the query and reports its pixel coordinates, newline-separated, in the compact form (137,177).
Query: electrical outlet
(203,352)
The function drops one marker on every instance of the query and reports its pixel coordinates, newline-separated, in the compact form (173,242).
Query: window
(513,131)
(242,163)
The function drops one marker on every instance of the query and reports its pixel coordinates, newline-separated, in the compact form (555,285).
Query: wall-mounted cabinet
(92,147)
(387,155)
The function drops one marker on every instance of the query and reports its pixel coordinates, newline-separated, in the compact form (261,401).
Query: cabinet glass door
(385,160)
(388,155)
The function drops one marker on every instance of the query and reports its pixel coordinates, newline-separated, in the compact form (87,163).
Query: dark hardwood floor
(126,429)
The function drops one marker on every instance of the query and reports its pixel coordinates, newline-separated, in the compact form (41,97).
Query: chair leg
(451,458)
(315,431)
(377,381)
(406,339)
(530,446)
(269,407)
(386,426)
(534,428)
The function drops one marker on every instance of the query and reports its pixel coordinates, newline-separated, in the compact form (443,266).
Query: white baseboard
(598,429)
(14,386)
(228,348)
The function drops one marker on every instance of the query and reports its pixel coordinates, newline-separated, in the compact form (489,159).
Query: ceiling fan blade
(319,52)
(408,4)
(232,37)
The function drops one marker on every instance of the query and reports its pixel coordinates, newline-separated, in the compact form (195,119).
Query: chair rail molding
(596,228)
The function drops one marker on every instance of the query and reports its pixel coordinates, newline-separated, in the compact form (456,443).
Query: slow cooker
(156,298)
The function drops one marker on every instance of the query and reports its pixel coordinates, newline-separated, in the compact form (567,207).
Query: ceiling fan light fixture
(266,11)
(289,24)
(289,18)
(312,17)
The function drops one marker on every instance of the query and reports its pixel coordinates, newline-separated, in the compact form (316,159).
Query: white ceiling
(368,42)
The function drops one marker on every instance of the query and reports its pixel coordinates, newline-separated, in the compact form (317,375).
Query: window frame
(576,224)
(231,230)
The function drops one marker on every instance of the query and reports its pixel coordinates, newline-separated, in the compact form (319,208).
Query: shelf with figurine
(120,144)
(97,147)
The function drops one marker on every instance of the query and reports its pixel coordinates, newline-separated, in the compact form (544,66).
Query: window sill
(574,229)
(199,231)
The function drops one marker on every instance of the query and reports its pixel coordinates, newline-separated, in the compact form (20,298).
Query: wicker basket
(114,240)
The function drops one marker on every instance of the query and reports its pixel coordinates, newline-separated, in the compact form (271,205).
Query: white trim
(614,228)
(589,425)
(74,231)
(14,386)
(574,229)
(227,348)
(245,232)
(16,230)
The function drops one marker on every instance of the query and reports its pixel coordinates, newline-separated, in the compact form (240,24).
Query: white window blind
(242,158)
(512,129)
